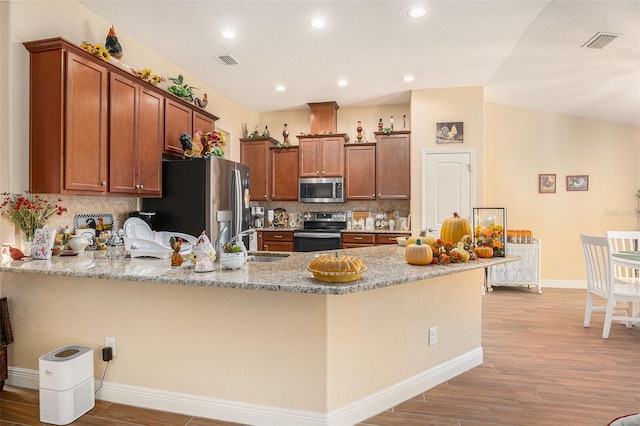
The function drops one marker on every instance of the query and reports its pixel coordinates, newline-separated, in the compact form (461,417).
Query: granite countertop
(385,264)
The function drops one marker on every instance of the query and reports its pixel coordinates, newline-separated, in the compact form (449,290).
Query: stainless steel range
(321,231)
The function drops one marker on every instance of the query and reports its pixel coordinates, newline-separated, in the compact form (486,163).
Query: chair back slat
(596,256)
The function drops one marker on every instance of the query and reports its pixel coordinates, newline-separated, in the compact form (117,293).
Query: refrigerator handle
(237,202)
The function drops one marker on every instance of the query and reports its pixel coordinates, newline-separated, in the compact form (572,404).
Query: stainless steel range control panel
(325,217)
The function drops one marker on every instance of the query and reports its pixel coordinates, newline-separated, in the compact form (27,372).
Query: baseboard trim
(564,284)
(212,408)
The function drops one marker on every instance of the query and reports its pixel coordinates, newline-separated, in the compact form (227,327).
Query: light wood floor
(541,367)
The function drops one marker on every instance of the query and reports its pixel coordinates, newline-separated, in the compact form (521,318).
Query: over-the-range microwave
(321,190)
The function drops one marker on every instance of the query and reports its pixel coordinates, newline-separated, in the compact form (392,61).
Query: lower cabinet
(363,239)
(275,240)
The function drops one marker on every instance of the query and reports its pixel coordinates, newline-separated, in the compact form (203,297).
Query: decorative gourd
(418,253)
(454,228)
(425,239)
(483,251)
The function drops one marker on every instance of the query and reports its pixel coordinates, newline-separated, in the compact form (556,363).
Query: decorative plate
(93,221)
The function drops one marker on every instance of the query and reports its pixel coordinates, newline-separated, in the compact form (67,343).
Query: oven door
(304,241)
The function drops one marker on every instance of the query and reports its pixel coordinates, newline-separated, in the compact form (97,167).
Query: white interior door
(448,185)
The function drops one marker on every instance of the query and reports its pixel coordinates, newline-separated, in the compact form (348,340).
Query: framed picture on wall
(547,183)
(578,183)
(452,132)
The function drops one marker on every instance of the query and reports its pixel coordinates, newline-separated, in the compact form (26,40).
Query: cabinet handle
(317,172)
(373,195)
(357,238)
(103,183)
(277,236)
(141,186)
(323,172)
(265,196)
(379,195)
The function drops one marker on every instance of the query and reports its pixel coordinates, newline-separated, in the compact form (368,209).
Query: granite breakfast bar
(264,344)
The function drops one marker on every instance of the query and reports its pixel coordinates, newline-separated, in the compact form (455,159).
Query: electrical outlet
(433,336)
(111,342)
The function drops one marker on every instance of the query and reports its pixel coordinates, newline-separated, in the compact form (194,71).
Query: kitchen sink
(266,257)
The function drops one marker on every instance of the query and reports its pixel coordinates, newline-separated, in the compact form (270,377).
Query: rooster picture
(113,45)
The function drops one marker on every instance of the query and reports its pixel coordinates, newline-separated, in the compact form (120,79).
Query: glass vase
(24,242)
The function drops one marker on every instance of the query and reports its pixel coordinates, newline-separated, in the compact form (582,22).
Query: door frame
(423,185)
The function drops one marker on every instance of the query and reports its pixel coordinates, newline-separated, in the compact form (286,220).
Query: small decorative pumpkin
(454,228)
(418,253)
(424,238)
(483,251)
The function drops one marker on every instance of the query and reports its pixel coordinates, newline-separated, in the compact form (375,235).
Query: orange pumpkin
(483,251)
(454,228)
(418,253)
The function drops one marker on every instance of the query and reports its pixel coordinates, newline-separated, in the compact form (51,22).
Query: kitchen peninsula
(264,344)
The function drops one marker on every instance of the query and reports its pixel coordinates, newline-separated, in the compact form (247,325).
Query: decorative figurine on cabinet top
(359,129)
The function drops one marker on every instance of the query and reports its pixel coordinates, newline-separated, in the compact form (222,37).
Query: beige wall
(289,350)
(523,143)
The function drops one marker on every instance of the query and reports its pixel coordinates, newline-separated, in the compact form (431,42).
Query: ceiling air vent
(227,60)
(600,40)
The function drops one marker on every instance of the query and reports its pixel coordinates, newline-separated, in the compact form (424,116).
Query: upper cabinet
(95,128)
(68,97)
(284,174)
(136,128)
(393,165)
(379,171)
(254,152)
(321,156)
(273,171)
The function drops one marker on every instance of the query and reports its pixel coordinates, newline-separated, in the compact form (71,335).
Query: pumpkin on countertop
(418,253)
(425,239)
(484,251)
(454,228)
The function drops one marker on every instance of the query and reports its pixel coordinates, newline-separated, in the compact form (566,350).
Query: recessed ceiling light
(228,34)
(318,23)
(281,88)
(407,78)
(342,82)
(417,12)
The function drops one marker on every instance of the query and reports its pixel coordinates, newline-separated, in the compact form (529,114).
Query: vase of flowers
(28,212)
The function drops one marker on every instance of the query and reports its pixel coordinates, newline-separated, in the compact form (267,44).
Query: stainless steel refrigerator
(202,194)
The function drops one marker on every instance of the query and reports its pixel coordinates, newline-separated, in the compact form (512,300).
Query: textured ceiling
(525,53)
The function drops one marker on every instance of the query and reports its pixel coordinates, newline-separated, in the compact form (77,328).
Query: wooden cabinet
(136,129)
(360,171)
(321,156)
(389,238)
(393,166)
(181,117)
(255,154)
(68,98)
(273,173)
(284,174)
(276,240)
(363,239)
(95,128)
(178,119)
(357,239)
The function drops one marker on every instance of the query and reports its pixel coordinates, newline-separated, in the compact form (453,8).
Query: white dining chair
(600,282)
(624,241)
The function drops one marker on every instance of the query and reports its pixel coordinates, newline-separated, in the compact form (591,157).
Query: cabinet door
(178,120)
(393,164)
(360,174)
(85,125)
(136,134)
(202,122)
(284,174)
(309,157)
(332,157)
(255,154)
(150,143)
(123,133)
